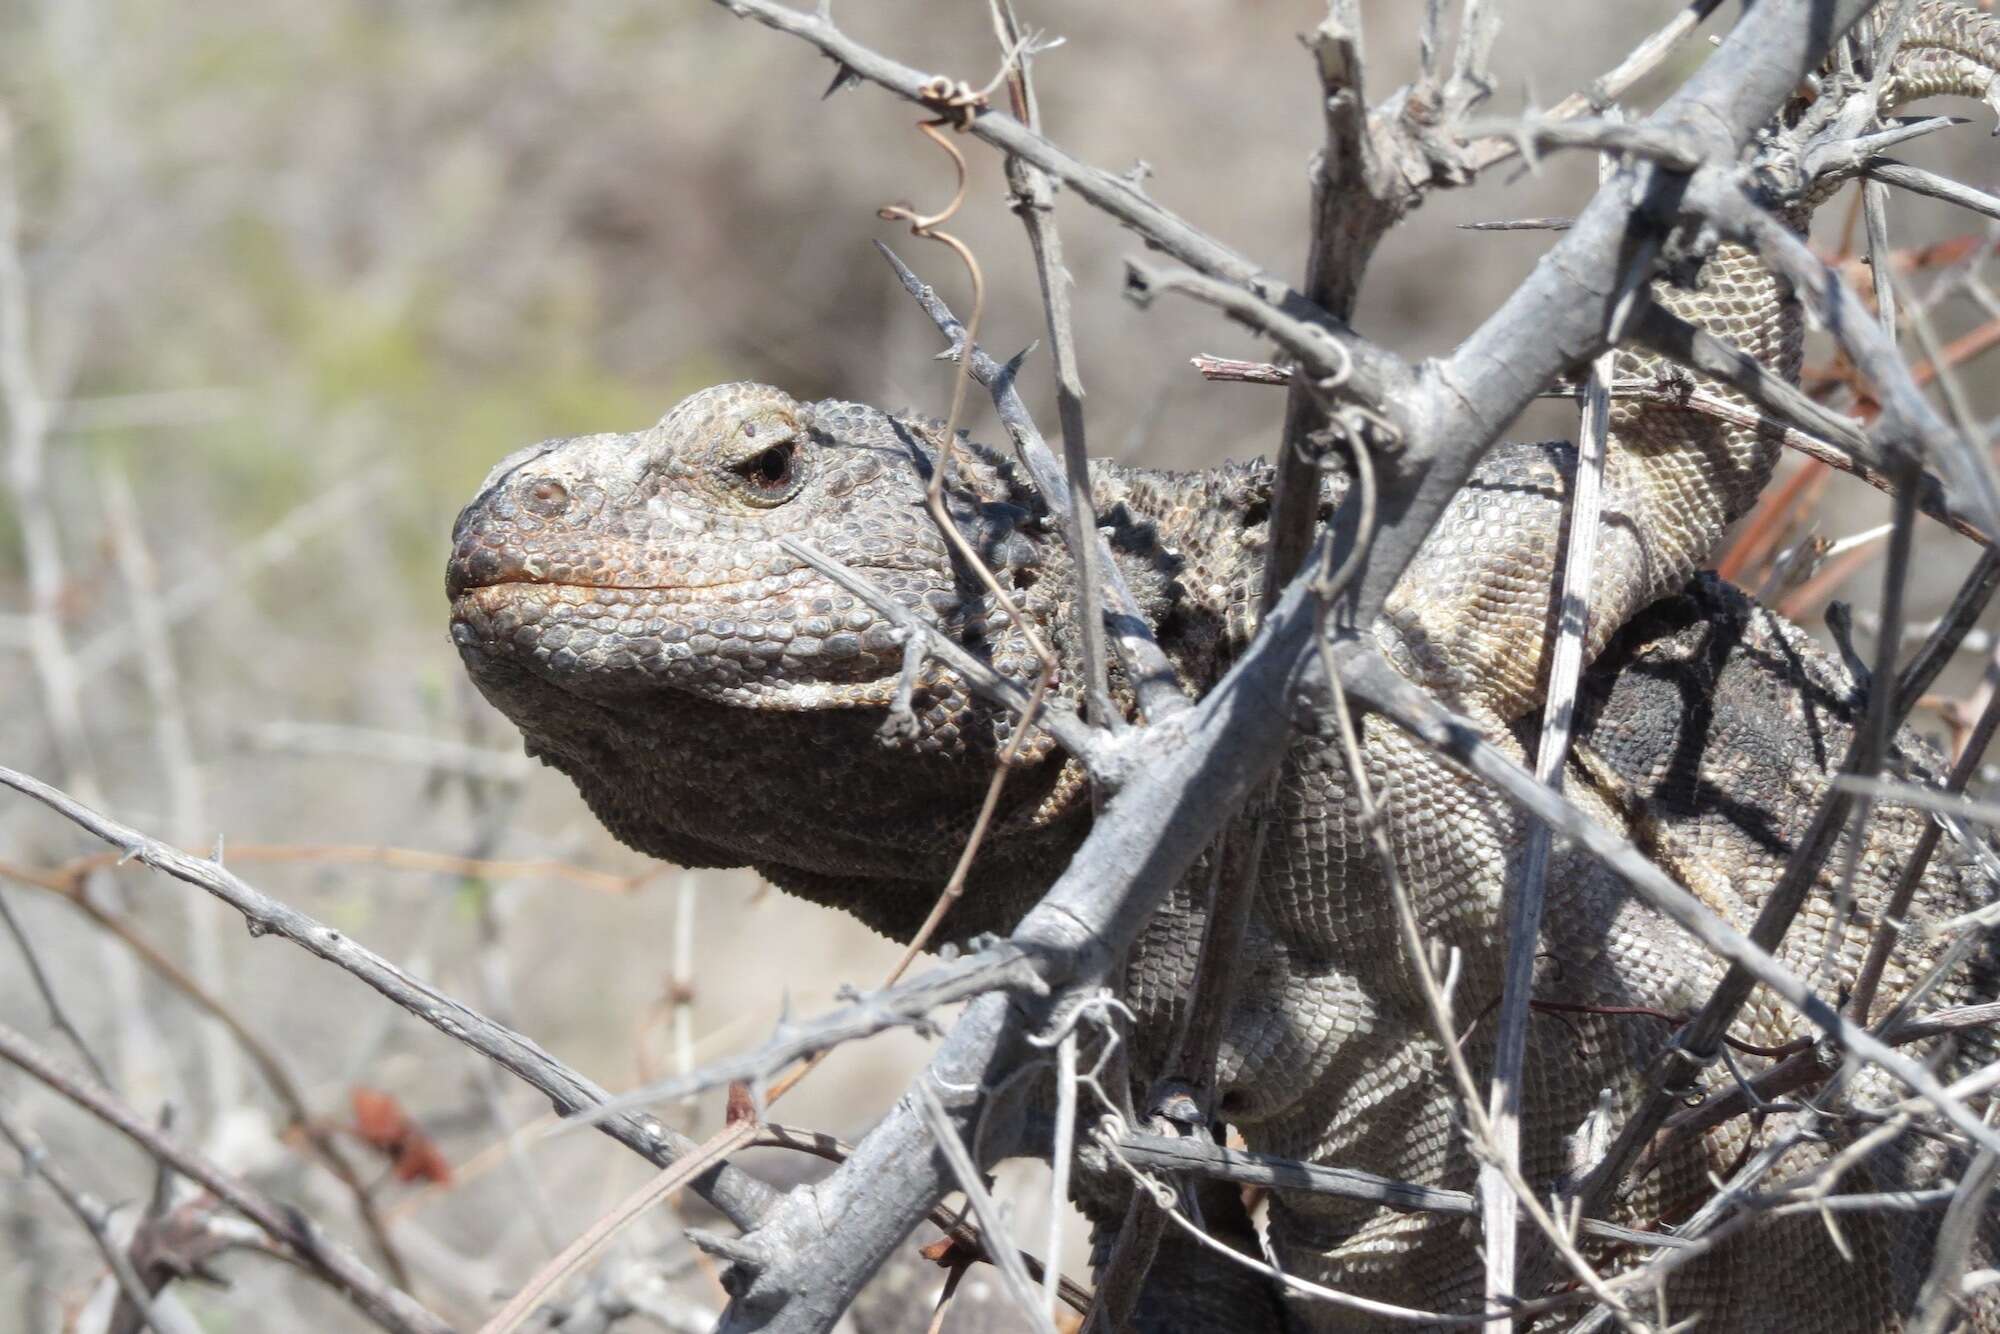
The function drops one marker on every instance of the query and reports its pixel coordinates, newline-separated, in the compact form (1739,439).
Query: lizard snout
(514,532)
(475,565)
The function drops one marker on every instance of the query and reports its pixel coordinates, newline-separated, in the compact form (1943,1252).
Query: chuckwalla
(625,600)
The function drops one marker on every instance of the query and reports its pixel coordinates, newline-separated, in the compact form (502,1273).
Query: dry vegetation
(279,281)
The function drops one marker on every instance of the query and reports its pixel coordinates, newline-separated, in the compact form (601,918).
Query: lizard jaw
(783,652)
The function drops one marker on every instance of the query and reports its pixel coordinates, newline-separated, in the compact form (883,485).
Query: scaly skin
(625,600)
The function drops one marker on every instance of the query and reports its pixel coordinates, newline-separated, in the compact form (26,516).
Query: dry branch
(302,1239)
(740,1197)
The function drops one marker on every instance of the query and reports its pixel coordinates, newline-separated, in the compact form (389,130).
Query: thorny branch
(300,1237)
(91,1213)
(737,1195)
(1153,676)
(812,1252)
(1034,201)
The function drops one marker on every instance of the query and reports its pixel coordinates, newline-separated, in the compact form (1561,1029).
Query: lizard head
(628,600)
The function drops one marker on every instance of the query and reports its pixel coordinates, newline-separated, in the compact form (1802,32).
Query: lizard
(630,602)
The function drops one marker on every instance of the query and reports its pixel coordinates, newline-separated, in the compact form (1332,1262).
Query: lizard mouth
(497,591)
(777,642)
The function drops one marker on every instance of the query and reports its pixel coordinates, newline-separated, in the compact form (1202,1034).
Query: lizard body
(628,602)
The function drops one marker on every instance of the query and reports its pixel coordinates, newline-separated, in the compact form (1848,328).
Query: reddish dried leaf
(420,1160)
(381,1123)
(379,1119)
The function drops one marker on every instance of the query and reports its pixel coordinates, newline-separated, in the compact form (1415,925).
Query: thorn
(1860,539)
(746,1261)
(1519,225)
(844,76)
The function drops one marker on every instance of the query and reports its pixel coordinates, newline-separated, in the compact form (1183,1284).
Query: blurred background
(279,282)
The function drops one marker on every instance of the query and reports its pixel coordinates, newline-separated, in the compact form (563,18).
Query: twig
(740,1197)
(1114,194)
(1034,202)
(58,1016)
(1781,904)
(29,413)
(35,1161)
(982,824)
(1643,59)
(1189,1086)
(1887,932)
(627,1211)
(1356,197)
(1167,1153)
(1550,224)
(1006,1255)
(1524,917)
(1881,720)
(1945,802)
(1875,224)
(1665,145)
(1003,967)
(1695,347)
(1920,182)
(1059,1167)
(1930,492)
(1347,1300)
(1944,636)
(1800,1070)
(30,418)
(421,860)
(1123,1276)
(1070,731)
(68,883)
(1937,1300)
(174,747)
(1437,1002)
(1154,680)
(951,1221)
(954,106)
(1244,372)
(1325,356)
(326,1258)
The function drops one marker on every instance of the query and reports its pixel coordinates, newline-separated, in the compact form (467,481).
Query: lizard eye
(771,473)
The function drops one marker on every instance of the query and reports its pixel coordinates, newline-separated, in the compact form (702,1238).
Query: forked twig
(91,1213)
(298,1235)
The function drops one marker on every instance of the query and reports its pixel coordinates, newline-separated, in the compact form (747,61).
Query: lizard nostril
(547,497)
